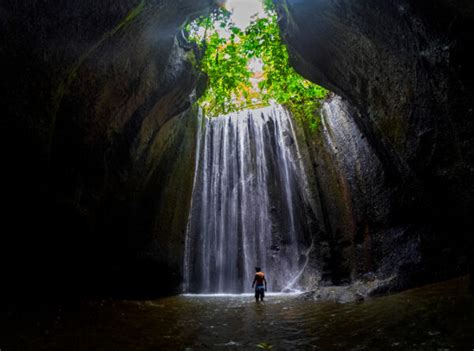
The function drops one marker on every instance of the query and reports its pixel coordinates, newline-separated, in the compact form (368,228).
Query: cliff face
(395,153)
(100,140)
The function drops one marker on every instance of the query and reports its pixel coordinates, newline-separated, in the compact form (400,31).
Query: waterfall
(247,206)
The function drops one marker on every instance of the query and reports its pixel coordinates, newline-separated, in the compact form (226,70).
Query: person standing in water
(260,284)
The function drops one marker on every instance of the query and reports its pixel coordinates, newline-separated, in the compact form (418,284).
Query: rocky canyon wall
(98,140)
(99,144)
(397,165)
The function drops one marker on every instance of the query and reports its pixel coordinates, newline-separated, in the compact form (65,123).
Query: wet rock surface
(400,188)
(357,291)
(358,236)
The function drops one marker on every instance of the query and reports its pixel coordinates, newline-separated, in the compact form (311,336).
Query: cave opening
(249,205)
(239,49)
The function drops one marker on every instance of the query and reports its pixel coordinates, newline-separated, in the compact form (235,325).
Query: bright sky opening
(245,11)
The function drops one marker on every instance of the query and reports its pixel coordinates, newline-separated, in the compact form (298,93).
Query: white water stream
(247,205)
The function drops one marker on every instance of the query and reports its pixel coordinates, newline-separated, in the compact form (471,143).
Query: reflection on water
(439,317)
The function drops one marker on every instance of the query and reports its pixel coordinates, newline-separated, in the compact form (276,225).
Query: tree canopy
(249,68)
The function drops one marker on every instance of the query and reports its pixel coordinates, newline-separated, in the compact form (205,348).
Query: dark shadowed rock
(397,175)
(100,175)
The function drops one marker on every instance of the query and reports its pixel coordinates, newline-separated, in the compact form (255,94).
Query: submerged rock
(355,292)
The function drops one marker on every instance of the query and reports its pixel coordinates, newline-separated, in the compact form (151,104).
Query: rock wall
(98,139)
(100,143)
(401,176)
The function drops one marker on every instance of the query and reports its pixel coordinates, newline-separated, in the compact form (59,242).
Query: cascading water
(247,206)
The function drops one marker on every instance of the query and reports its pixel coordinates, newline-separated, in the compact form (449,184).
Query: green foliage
(268,5)
(264,346)
(233,85)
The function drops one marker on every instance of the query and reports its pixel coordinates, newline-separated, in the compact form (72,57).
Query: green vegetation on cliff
(249,68)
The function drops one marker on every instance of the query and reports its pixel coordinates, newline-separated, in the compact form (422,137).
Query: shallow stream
(438,317)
